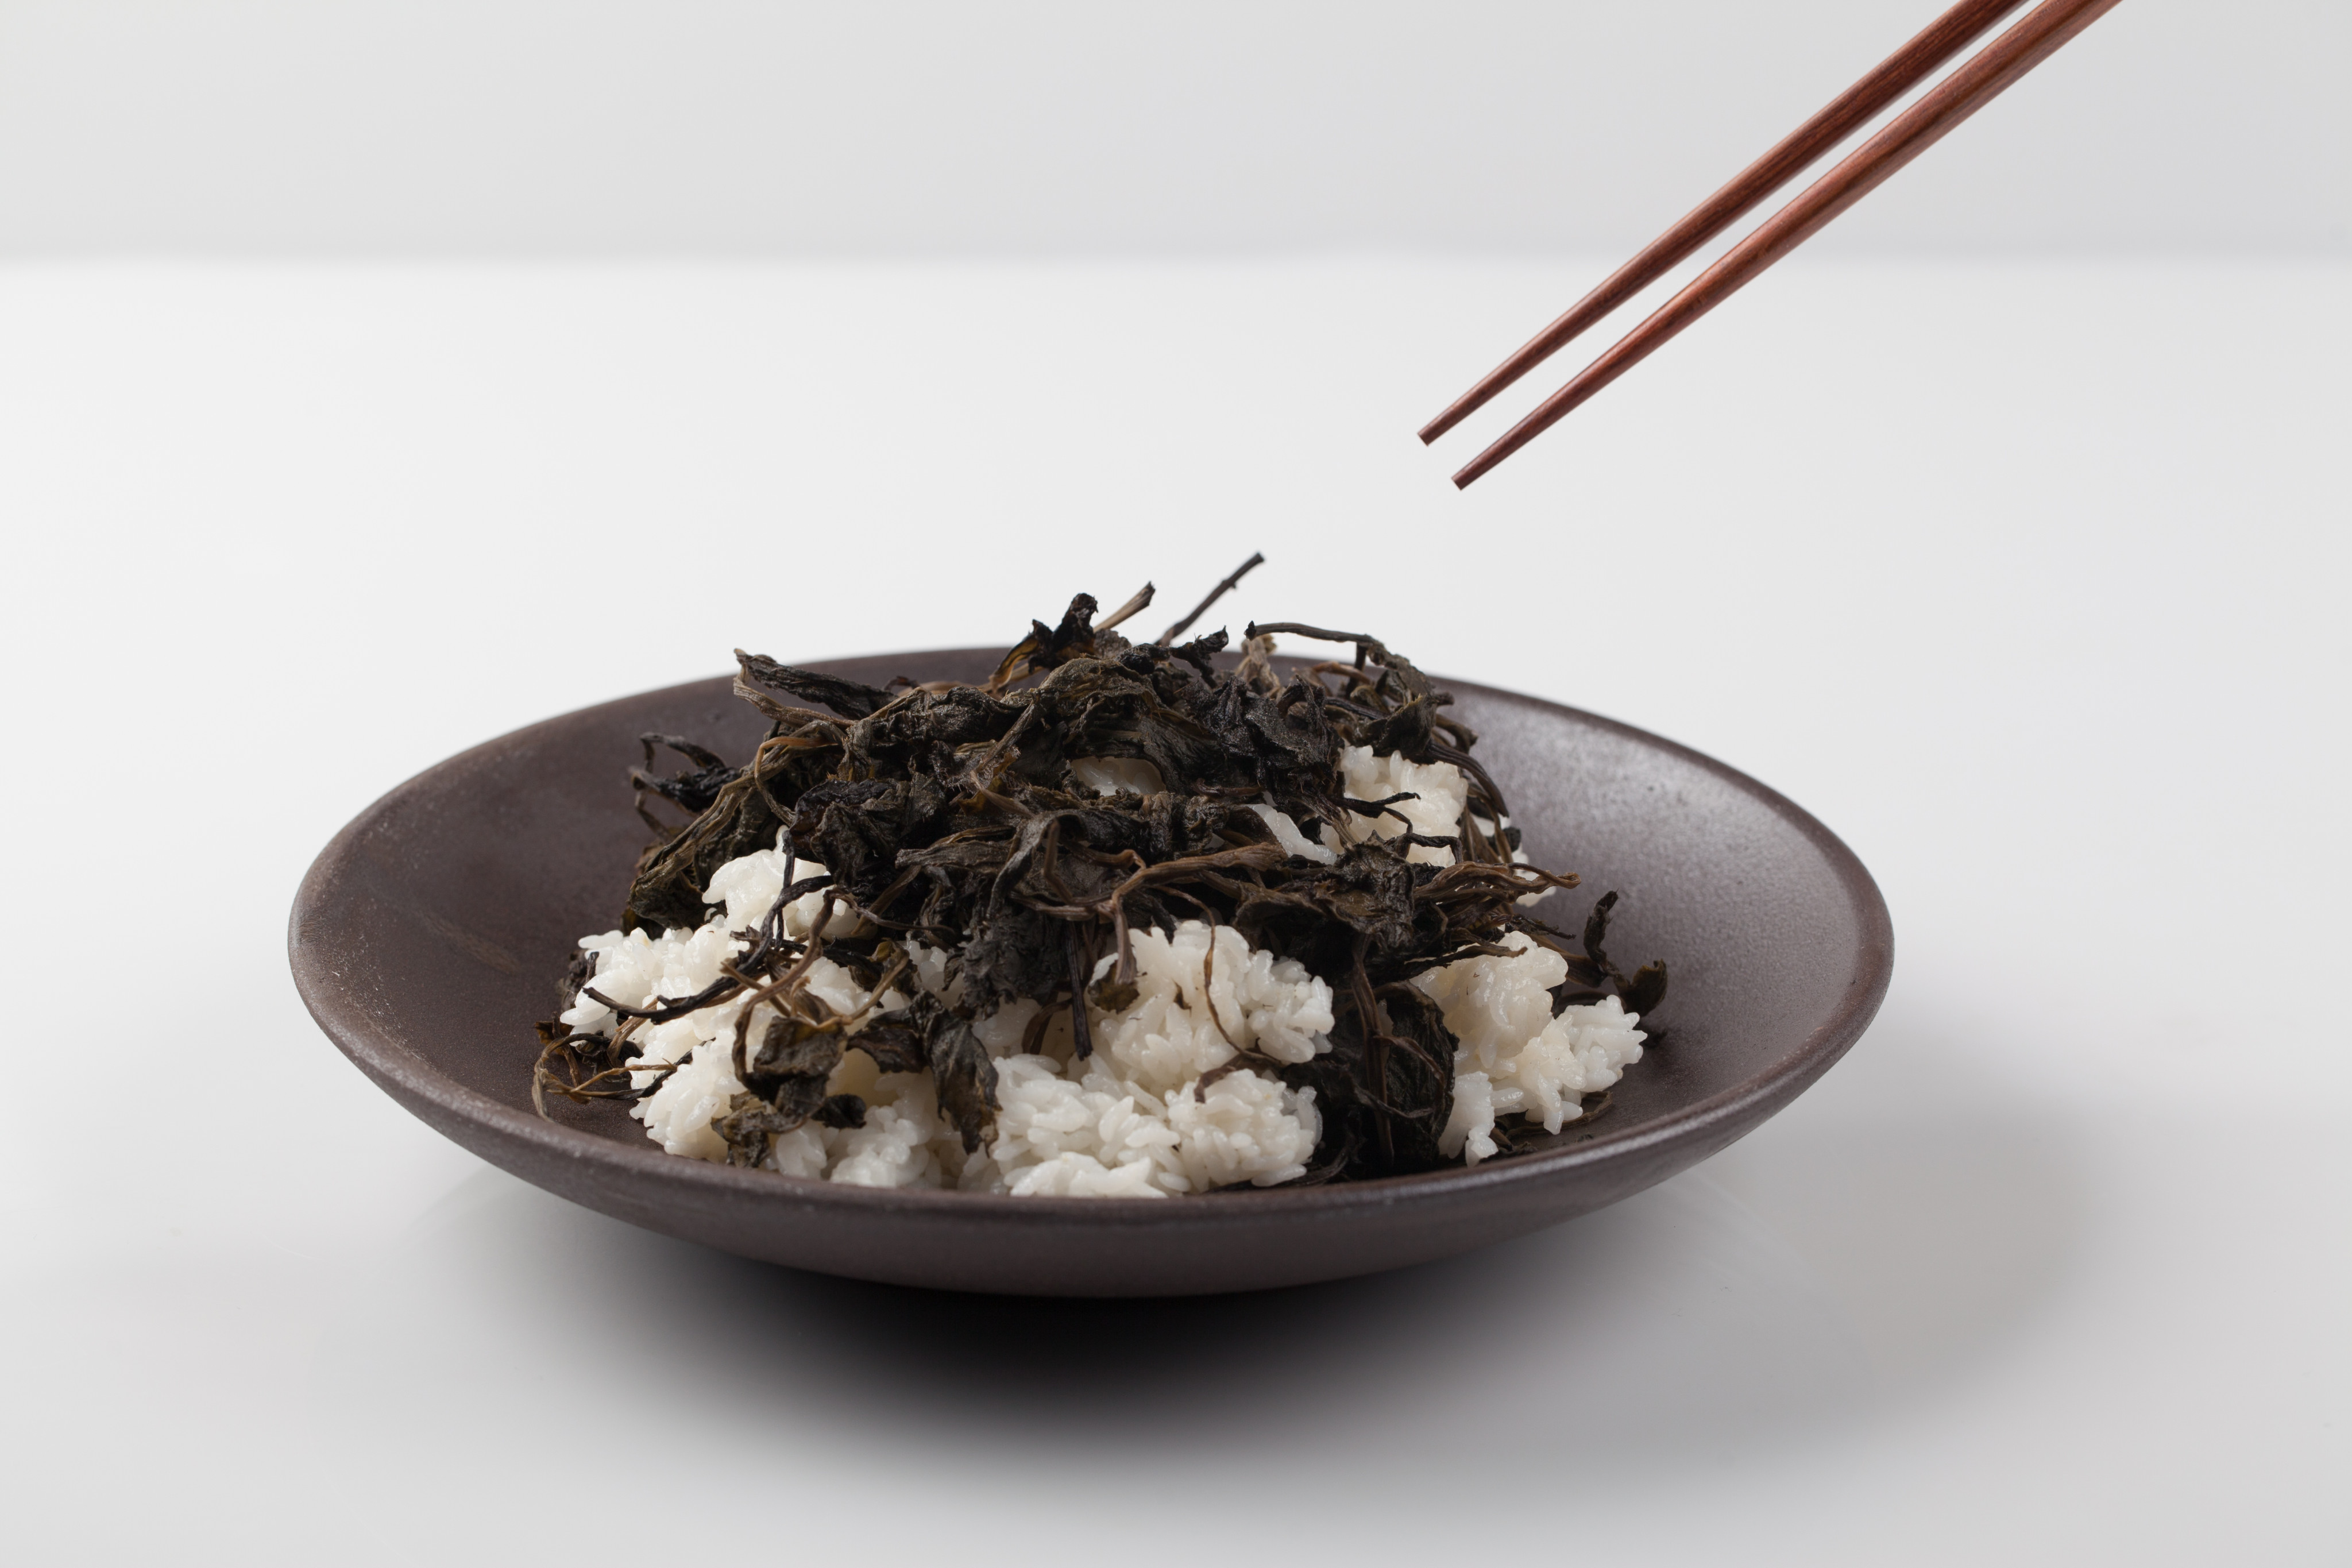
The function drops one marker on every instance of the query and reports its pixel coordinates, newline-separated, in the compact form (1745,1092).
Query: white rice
(1133,1119)
(1513,1056)
(1108,775)
(1441,789)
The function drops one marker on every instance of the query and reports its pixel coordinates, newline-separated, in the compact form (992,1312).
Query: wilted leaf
(949,816)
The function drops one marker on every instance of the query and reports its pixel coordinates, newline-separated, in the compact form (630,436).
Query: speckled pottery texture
(428,938)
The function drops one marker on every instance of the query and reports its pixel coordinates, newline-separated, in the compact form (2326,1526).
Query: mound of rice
(1149,1113)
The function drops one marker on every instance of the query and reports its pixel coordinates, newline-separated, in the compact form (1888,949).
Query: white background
(2024,571)
(1059,126)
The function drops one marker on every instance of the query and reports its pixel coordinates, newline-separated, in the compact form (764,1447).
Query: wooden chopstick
(1897,74)
(1994,70)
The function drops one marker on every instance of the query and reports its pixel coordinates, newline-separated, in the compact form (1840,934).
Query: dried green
(948,814)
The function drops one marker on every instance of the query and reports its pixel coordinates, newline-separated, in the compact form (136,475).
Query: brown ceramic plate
(429,937)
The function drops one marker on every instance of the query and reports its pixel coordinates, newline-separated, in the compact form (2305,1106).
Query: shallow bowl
(428,938)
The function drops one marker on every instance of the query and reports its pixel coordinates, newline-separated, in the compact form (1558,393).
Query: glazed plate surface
(429,936)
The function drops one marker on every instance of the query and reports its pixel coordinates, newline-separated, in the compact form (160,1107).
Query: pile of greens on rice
(1124,920)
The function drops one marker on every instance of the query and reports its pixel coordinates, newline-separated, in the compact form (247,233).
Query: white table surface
(2029,580)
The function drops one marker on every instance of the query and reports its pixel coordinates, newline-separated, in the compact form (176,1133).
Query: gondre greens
(970,883)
